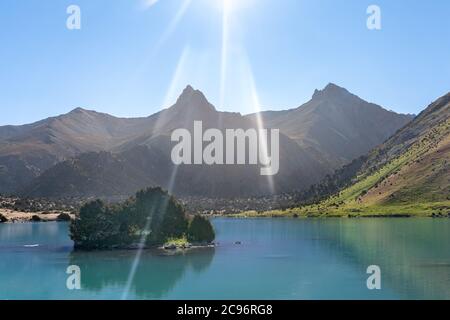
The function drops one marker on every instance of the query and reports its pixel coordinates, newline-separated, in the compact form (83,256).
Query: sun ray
(173,24)
(141,245)
(227,6)
(153,49)
(136,261)
(149,3)
(177,76)
(256,106)
(172,90)
(224,57)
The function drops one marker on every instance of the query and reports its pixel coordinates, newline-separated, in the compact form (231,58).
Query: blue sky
(131,60)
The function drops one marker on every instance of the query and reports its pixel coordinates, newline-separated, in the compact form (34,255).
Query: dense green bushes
(153,216)
(200,230)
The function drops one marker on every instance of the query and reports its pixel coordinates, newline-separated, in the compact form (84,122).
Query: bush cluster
(152,215)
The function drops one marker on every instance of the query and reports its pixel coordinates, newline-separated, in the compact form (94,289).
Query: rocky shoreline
(12,216)
(189,246)
(162,248)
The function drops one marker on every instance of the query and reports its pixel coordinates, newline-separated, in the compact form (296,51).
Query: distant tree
(167,217)
(201,230)
(95,227)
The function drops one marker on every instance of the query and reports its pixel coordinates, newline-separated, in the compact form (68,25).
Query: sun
(228,5)
(233,5)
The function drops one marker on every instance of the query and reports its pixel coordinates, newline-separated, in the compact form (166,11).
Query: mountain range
(85,153)
(407,174)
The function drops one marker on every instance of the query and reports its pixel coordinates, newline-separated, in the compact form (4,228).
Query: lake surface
(277,259)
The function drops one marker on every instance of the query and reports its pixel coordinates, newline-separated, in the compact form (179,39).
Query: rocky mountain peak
(331,91)
(192,100)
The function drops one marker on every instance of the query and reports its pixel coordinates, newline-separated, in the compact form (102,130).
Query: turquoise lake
(277,259)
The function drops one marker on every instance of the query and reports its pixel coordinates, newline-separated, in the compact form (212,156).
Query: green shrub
(201,230)
(94,226)
(166,215)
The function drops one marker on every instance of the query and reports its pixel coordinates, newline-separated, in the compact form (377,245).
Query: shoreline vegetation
(410,210)
(322,210)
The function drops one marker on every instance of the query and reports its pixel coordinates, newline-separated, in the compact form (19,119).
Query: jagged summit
(188,90)
(78,110)
(82,111)
(331,91)
(192,100)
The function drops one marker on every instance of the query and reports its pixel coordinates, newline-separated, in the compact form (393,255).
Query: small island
(151,219)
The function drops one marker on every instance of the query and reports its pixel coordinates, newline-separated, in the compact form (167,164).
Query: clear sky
(132,57)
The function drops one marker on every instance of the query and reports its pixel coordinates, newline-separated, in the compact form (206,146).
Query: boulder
(36,218)
(64,217)
(3,219)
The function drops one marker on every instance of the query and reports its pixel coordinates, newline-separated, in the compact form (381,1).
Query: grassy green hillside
(408,175)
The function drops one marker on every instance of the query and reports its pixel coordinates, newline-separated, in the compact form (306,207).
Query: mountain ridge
(305,159)
(320,122)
